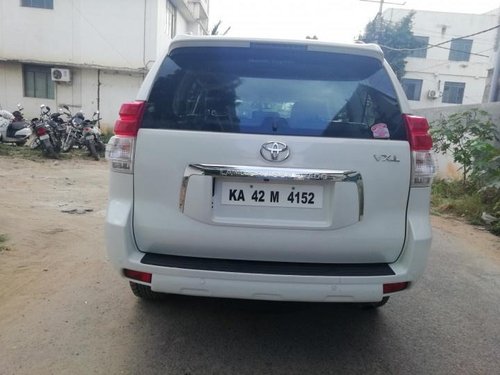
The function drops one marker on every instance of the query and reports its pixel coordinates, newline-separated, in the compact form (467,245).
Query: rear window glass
(273,90)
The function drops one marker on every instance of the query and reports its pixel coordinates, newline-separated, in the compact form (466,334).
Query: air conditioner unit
(60,75)
(433,94)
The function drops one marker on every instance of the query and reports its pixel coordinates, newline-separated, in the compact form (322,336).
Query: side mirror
(19,106)
(66,107)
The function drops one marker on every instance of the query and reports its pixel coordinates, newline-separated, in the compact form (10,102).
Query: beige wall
(80,94)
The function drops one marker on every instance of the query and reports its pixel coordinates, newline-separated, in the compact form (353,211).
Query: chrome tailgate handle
(272,173)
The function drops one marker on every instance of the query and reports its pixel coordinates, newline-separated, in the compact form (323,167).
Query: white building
(102,49)
(454,72)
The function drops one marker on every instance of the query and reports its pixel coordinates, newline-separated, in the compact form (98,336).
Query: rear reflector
(129,122)
(138,275)
(421,145)
(395,287)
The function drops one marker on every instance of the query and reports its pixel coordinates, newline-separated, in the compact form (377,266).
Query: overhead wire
(441,43)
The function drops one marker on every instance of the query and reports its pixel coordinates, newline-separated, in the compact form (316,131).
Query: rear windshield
(273,90)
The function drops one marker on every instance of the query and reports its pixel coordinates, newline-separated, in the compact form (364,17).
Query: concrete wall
(116,40)
(446,168)
(80,94)
(108,33)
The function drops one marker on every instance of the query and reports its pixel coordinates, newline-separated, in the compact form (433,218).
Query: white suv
(270,169)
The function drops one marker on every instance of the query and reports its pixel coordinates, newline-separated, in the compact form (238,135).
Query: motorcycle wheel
(93,151)
(100,146)
(57,145)
(21,143)
(68,145)
(48,149)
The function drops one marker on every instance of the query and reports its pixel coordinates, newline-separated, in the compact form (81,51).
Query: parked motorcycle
(46,137)
(91,134)
(13,127)
(73,136)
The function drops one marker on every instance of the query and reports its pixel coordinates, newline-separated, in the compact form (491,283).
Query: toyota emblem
(275,151)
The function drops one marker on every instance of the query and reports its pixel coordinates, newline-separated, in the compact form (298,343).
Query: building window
(453,92)
(460,50)
(46,4)
(38,82)
(422,42)
(171,19)
(412,88)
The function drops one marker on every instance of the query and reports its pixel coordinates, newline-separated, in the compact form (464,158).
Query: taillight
(130,118)
(120,153)
(120,148)
(420,140)
(138,275)
(40,130)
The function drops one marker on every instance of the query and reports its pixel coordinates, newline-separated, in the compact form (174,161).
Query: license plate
(44,137)
(272,195)
(89,137)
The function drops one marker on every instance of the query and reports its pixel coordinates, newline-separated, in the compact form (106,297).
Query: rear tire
(145,292)
(49,151)
(93,151)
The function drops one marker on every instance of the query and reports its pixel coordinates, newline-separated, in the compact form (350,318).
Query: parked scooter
(13,127)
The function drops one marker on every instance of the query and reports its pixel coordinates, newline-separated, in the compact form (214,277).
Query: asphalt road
(63,310)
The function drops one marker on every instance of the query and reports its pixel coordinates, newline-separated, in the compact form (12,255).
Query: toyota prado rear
(270,170)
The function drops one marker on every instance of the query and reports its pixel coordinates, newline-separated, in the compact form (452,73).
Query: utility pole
(382,2)
(378,17)
(495,77)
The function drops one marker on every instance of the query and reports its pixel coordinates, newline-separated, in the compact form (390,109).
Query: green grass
(3,239)
(24,152)
(467,202)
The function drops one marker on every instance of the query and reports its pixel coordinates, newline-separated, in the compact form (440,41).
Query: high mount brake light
(421,146)
(120,148)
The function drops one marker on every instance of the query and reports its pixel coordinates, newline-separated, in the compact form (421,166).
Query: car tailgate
(186,197)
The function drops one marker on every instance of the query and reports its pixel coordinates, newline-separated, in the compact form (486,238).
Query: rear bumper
(260,286)
(213,282)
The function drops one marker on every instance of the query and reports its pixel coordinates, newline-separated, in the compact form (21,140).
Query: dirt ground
(53,214)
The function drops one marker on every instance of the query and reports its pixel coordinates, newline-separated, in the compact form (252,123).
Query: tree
(215,29)
(395,39)
(467,136)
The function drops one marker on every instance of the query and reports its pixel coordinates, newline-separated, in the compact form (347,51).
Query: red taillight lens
(41,130)
(418,133)
(395,287)
(138,275)
(130,118)
(421,146)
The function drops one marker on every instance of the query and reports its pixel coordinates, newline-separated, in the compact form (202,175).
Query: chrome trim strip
(272,173)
